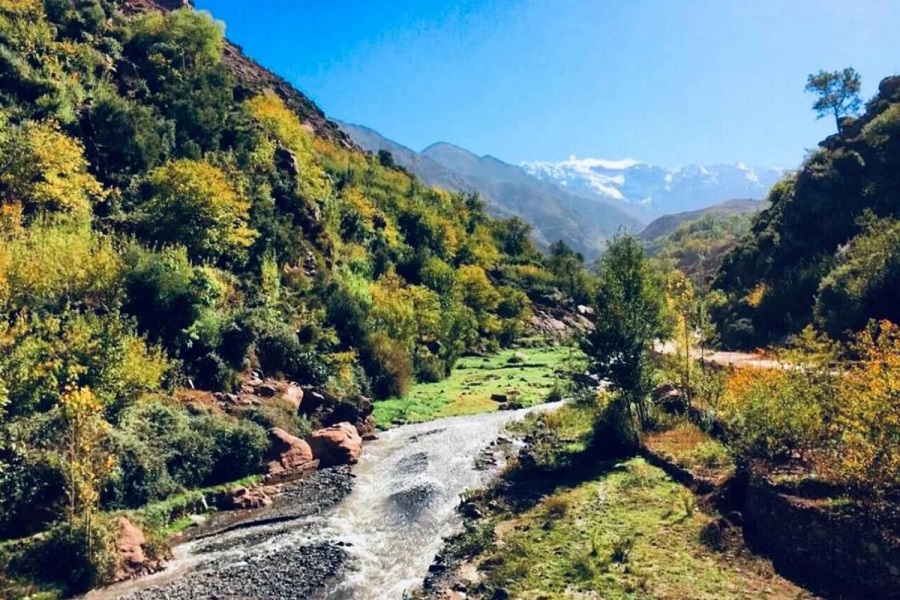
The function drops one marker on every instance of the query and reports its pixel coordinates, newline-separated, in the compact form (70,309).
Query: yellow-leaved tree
(283,129)
(866,430)
(194,204)
(42,170)
(87,463)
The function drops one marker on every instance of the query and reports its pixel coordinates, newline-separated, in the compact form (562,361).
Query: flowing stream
(408,485)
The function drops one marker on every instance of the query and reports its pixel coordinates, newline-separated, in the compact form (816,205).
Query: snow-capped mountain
(658,189)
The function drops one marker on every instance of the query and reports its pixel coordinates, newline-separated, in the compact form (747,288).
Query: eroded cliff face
(254,78)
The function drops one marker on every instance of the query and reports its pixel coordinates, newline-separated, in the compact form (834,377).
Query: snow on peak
(658,188)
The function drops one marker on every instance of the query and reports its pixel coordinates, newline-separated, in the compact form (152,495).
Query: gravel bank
(270,554)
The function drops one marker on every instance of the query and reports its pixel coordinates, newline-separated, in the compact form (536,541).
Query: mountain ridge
(667,224)
(554,212)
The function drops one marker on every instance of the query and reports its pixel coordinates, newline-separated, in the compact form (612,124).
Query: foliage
(628,318)
(773,413)
(49,266)
(167,222)
(697,248)
(864,437)
(44,170)
(43,355)
(863,282)
(837,91)
(194,204)
(802,260)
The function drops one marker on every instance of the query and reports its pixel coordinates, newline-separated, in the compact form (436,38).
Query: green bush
(72,556)
(390,367)
(31,493)
(278,414)
(279,352)
(140,475)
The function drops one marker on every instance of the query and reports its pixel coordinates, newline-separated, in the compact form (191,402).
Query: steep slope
(661,190)
(826,250)
(183,234)
(554,213)
(253,78)
(666,224)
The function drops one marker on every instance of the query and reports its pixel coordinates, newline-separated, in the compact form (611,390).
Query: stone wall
(837,551)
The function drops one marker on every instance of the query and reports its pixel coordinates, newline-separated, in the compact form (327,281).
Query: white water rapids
(404,502)
(408,485)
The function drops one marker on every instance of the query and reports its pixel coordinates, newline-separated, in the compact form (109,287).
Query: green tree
(629,316)
(838,93)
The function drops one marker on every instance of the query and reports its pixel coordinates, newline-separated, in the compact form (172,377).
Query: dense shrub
(773,413)
(42,355)
(198,450)
(389,365)
(278,414)
(71,556)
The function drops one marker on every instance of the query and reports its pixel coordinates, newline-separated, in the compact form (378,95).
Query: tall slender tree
(629,317)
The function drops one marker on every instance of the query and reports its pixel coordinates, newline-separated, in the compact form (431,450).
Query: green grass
(625,533)
(172,515)
(469,387)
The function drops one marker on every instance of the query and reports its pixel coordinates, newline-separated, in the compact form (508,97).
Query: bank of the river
(514,378)
(568,523)
(232,554)
(319,540)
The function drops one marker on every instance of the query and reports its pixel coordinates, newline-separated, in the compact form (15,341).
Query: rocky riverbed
(266,553)
(369,534)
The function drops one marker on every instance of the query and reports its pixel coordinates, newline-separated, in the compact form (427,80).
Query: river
(376,544)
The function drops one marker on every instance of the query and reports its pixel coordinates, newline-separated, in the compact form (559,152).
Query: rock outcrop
(339,444)
(321,406)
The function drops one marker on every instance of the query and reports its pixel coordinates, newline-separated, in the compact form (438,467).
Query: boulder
(497,397)
(286,452)
(132,560)
(366,427)
(293,395)
(336,445)
(242,498)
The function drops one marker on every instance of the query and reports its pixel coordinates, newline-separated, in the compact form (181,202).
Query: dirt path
(725,359)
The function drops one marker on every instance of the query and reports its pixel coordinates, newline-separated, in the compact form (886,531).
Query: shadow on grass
(544,468)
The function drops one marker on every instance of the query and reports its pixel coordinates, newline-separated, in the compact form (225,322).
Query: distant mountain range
(581,201)
(660,190)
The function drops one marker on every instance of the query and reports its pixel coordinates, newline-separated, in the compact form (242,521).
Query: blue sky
(671,82)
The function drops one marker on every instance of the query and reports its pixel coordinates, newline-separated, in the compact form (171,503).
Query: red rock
(294,395)
(132,561)
(336,445)
(287,452)
(366,427)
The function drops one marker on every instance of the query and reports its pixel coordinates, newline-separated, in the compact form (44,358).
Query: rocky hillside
(658,189)
(203,280)
(554,213)
(826,249)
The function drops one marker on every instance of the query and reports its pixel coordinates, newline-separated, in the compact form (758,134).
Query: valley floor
(571,527)
(514,378)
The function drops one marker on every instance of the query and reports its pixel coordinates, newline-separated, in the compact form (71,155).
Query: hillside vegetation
(582,221)
(170,221)
(826,250)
